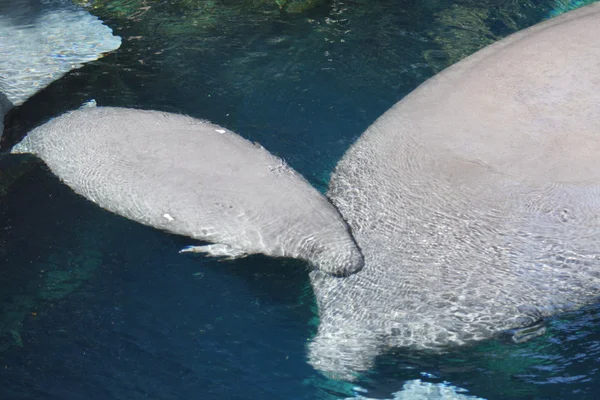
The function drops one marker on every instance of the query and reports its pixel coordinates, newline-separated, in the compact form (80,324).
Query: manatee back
(475,200)
(196,179)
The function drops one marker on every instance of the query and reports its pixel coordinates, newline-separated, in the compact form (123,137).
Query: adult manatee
(41,41)
(475,200)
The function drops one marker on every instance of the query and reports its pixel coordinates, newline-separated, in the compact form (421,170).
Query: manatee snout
(337,257)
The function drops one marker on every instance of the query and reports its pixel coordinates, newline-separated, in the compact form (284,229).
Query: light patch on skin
(168,217)
(220,130)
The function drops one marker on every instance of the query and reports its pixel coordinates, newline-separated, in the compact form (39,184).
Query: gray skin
(32,33)
(193,178)
(475,200)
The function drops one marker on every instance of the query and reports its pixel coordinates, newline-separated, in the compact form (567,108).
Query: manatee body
(196,179)
(475,201)
(43,40)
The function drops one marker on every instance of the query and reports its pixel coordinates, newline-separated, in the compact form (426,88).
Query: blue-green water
(98,307)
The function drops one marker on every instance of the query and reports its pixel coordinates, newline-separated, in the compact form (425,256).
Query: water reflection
(41,41)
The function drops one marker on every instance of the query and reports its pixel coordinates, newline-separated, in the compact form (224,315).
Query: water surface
(98,307)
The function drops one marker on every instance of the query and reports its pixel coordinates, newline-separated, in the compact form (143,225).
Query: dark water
(98,307)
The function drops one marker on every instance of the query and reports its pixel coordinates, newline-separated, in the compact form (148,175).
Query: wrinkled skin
(196,179)
(475,201)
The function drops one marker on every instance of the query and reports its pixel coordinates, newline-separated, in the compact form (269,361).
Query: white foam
(418,390)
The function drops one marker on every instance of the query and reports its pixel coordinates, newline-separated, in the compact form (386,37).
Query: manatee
(43,40)
(193,178)
(475,200)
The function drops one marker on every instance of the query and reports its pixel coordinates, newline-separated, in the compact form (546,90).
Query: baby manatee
(193,178)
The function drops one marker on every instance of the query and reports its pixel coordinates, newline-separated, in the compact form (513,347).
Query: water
(98,307)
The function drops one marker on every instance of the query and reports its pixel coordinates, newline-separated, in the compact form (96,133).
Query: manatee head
(337,255)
